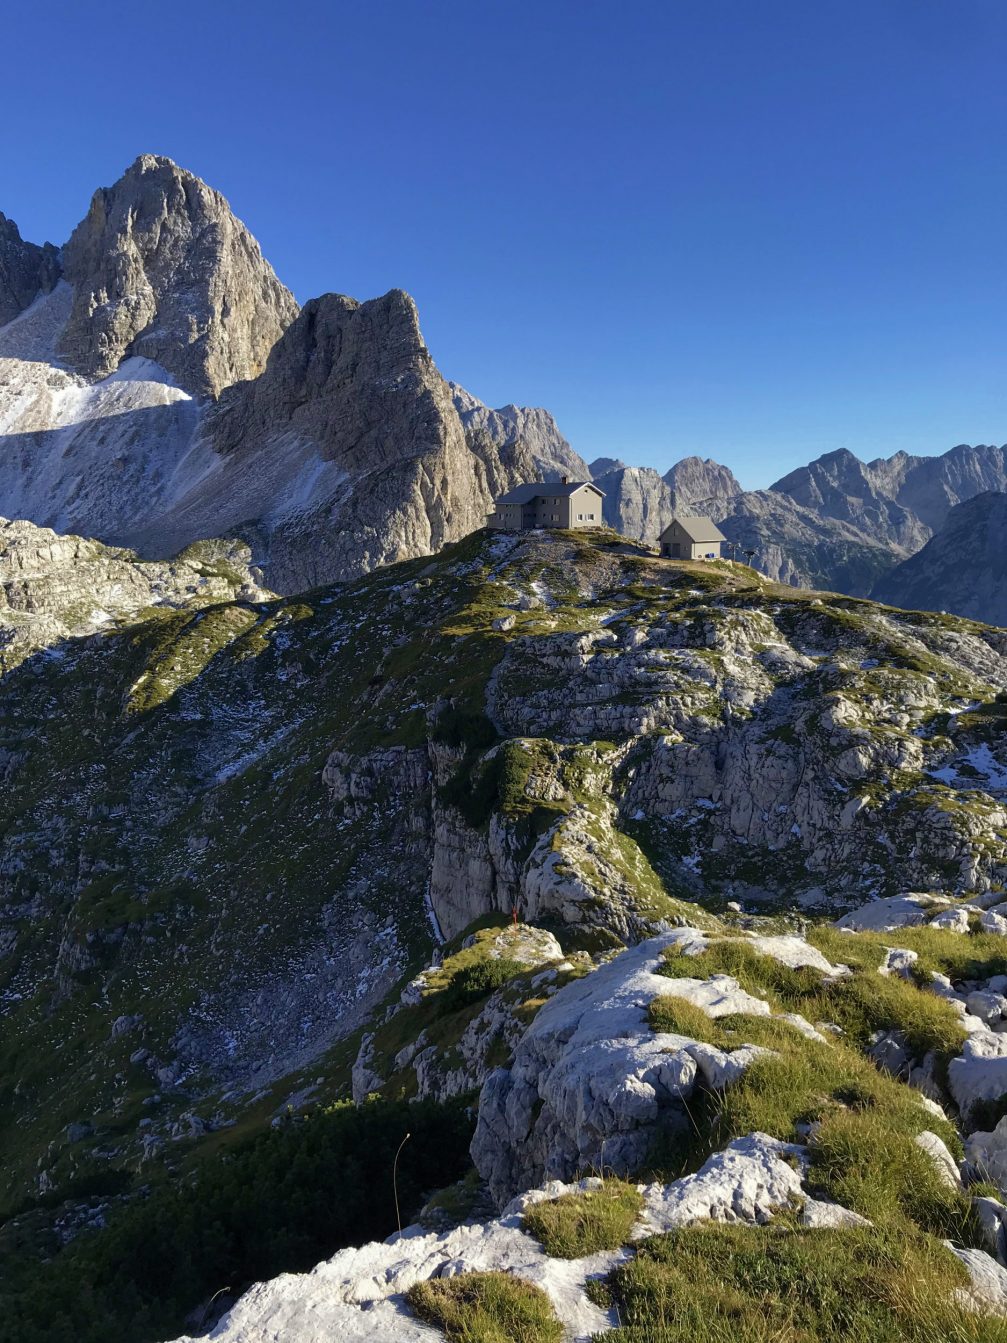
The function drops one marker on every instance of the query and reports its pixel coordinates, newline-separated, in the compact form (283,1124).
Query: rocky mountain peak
(693,481)
(602,465)
(348,445)
(962,567)
(343,374)
(26,270)
(526,439)
(637,501)
(162,269)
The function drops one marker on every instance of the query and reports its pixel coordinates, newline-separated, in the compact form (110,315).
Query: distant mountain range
(159,386)
(836,523)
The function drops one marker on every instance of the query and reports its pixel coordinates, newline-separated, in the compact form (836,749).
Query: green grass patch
(486,1308)
(861,1003)
(959,956)
(716,1283)
(580,1224)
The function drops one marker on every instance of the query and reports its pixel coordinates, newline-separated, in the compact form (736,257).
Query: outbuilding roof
(697,529)
(524,494)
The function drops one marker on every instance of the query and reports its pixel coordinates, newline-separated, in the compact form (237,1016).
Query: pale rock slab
(751,1180)
(818,1213)
(357,1296)
(884,916)
(988,1007)
(975,1077)
(986,1154)
(952,920)
(898,961)
(988,1290)
(992,922)
(793,952)
(590,1078)
(936,1148)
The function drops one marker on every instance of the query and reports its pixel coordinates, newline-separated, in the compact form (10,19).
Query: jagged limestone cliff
(902,499)
(162,270)
(159,386)
(521,434)
(26,270)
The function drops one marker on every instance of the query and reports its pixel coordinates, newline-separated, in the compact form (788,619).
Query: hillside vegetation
(235,832)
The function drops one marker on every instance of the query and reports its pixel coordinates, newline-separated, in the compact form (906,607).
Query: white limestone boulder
(987,1292)
(884,916)
(986,1154)
(591,1081)
(751,1180)
(937,1149)
(954,920)
(977,1076)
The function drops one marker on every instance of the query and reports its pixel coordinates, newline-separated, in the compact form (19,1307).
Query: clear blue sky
(751,229)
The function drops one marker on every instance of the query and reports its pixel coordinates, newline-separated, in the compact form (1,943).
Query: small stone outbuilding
(560,503)
(687,538)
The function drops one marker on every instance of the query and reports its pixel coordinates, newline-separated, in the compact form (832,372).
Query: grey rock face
(933,485)
(591,1080)
(162,269)
(797,545)
(373,463)
(839,485)
(26,270)
(602,465)
(638,503)
(901,499)
(694,482)
(345,453)
(525,438)
(963,568)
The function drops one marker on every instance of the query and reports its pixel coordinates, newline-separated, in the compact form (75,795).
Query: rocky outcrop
(748,734)
(931,486)
(344,454)
(963,568)
(161,269)
(26,270)
(637,502)
(527,439)
(55,587)
(841,486)
(347,450)
(700,486)
(591,1080)
(602,465)
(424,1066)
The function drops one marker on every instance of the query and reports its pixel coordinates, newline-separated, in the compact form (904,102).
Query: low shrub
(479,980)
(278,1203)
